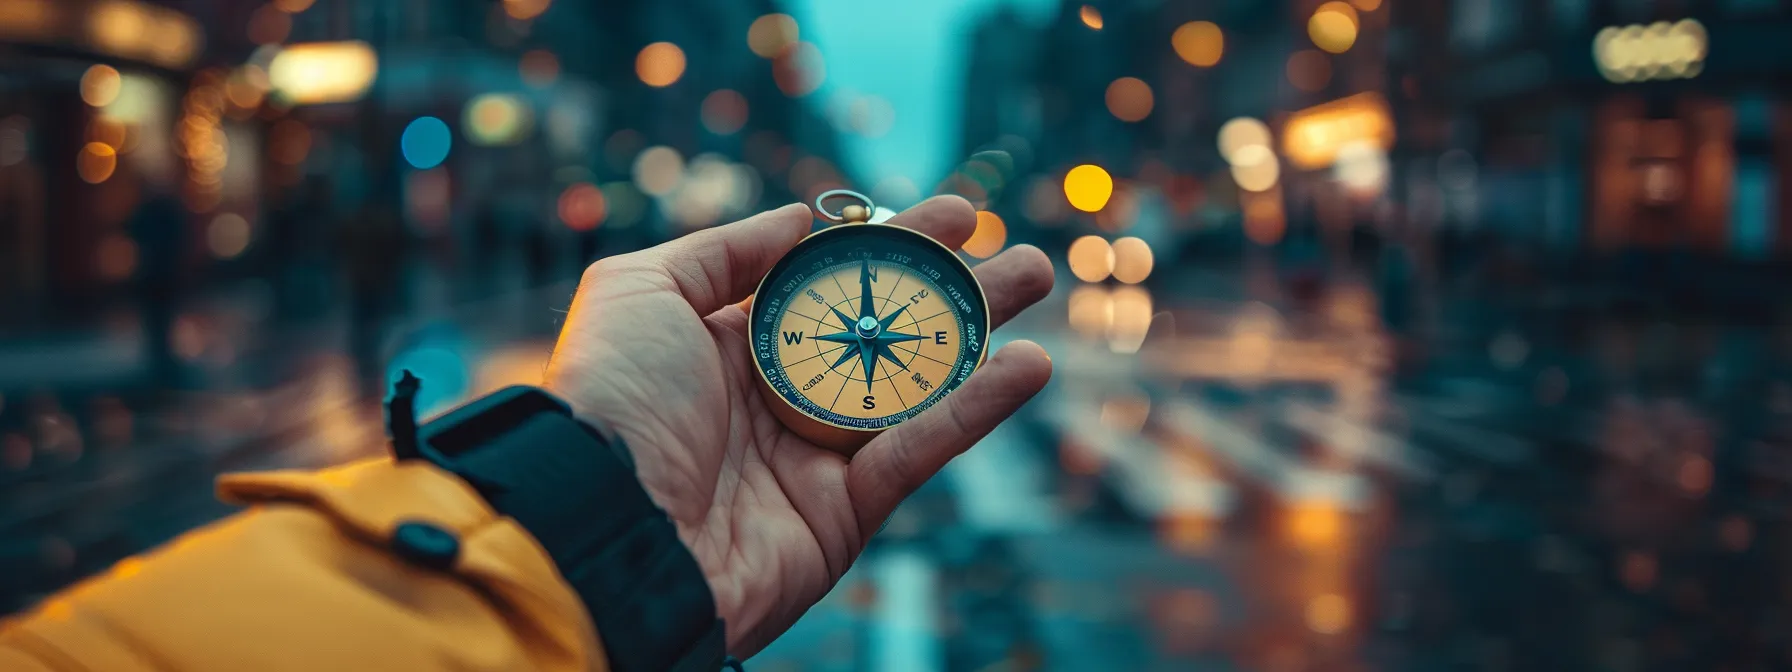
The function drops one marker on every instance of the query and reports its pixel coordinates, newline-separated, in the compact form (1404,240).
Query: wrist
(571,483)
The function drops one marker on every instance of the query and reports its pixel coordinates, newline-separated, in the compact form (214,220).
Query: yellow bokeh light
(523,10)
(1088,187)
(497,119)
(990,236)
(1333,27)
(1129,99)
(1328,614)
(1091,17)
(100,85)
(1091,310)
(1132,260)
(660,64)
(1240,133)
(96,162)
(1255,168)
(293,6)
(109,131)
(1200,43)
(324,72)
(1091,259)
(228,235)
(1367,5)
(772,35)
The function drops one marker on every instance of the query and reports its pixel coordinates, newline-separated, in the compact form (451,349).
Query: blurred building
(281,127)
(1600,125)
(1144,91)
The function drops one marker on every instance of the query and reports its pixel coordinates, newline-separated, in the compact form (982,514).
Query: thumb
(720,266)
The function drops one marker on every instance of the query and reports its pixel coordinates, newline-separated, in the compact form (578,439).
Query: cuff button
(425,544)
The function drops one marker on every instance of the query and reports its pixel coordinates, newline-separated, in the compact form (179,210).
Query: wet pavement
(1236,468)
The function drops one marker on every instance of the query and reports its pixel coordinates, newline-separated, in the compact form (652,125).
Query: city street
(1267,478)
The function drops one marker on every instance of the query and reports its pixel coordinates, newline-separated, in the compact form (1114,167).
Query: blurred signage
(1313,137)
(323,72)
(1658,51)
(121,28)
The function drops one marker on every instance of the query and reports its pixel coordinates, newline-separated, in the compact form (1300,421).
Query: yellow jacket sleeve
(308,579)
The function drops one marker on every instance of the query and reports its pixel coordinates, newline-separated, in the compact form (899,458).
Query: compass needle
(865,295)
(869,355)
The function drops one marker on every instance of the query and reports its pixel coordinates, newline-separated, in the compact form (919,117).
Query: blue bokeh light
(426,142)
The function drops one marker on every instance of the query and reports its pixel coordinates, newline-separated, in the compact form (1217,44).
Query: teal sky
(911,53)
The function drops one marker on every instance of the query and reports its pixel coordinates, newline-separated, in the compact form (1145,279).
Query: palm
(773,519)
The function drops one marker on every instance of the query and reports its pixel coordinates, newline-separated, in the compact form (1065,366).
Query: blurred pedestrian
(159,225)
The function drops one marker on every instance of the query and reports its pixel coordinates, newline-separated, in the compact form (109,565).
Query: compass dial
(863,326)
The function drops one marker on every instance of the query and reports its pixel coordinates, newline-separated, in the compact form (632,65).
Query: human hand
(656,347)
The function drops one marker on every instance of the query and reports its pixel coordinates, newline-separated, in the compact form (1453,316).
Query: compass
(863,326)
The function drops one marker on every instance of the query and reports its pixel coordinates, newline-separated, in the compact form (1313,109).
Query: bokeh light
(1091,309)
(772,35)
(96,162)
(1132,260)
(1131,319)
(1333,27)
(100,85)
(497,119)
(293,6)
(227,235)
(539,67)
(658,170)
(724,111)
(1328,614)
(110,132)
(1091,259)
(1256,169)
(1088,187)
(426,142)
(1199,43)
(1362,168)
(1310,70)
(800,70)
(660,64)
(1366,5)
(1240,133)
(1129,99)
(990,236)
(524,10)
(581,206)
(1090,16)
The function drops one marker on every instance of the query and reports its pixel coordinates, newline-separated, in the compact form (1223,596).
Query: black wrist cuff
(574,488)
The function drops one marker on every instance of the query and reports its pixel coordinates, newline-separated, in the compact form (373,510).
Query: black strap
(574,488)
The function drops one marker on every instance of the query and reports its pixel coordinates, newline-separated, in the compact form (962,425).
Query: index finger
(948,219)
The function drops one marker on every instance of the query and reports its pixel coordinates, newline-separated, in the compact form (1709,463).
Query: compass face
(863,326)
